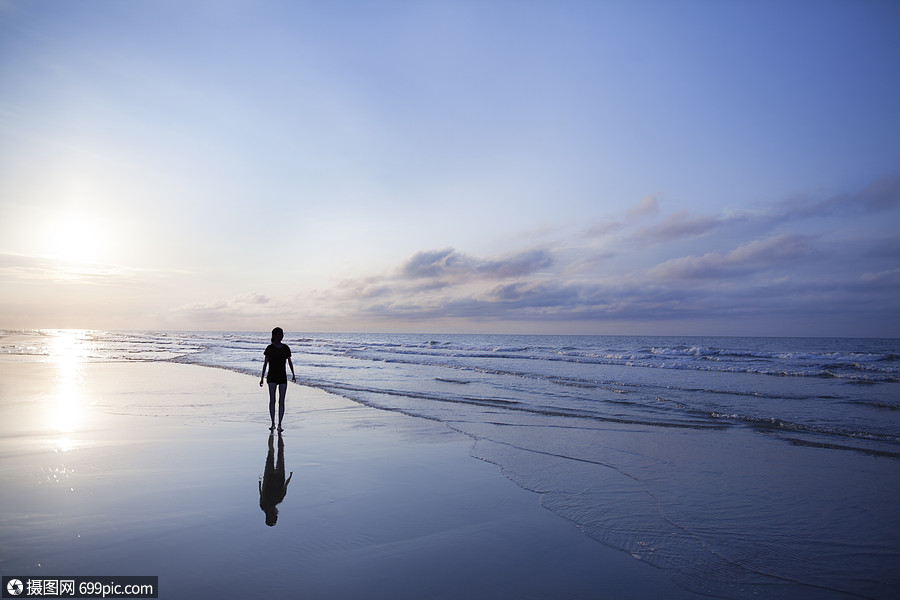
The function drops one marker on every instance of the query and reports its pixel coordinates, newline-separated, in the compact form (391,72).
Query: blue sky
(553,167)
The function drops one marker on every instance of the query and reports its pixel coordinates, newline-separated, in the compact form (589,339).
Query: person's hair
(277,335)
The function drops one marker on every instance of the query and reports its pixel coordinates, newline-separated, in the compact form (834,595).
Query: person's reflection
(272,486)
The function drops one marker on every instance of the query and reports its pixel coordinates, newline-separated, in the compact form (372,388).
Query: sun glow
(79,238)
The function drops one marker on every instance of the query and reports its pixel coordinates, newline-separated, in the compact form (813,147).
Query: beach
(116,468)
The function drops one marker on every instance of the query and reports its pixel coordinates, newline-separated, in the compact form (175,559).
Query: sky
(488,166)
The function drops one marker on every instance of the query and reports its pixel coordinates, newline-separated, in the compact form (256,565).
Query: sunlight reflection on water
(67,408)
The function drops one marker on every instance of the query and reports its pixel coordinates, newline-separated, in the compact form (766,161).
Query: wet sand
(155,468)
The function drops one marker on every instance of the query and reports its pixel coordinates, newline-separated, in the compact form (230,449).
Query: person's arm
(293,377)
(263,374)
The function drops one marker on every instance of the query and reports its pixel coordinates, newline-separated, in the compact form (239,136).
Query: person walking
(276,355)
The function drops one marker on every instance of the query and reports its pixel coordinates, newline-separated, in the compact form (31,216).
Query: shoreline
(153,469)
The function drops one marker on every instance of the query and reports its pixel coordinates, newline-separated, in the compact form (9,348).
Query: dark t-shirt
(277,355)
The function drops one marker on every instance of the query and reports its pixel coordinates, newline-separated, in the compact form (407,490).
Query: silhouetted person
(272,486)
(276,354)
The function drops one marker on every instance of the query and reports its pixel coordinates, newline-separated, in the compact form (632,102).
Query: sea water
(741,467)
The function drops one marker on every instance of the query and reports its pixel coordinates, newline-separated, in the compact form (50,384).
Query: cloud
(528,286)
(36,268)
(755,255)
(516,265)
(553,300)
(879,196)
(587,262)
(603,229)
(234,309)
(448,263)
(883,279)
(432,263)
(647,207)
(763,280)
(680,225)
(536,294)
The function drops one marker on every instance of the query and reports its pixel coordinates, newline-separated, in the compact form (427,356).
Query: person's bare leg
(272,387)
(282,390)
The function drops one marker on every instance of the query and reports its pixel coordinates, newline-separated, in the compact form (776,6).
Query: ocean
(741,467)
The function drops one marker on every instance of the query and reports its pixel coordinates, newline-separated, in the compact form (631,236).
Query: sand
(154,469)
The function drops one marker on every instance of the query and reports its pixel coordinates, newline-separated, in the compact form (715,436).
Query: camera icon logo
(14,587)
